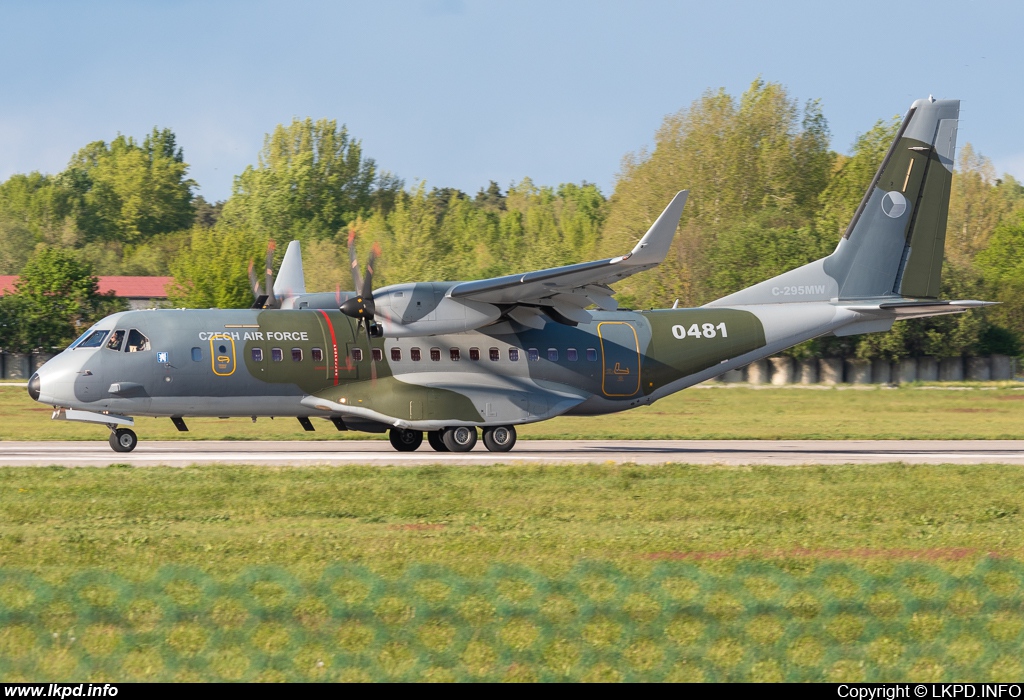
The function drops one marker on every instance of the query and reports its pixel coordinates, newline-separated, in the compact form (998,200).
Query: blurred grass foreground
(758,622)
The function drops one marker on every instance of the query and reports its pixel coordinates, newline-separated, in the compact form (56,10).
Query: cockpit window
(115,340)
(136,342)
(93,340)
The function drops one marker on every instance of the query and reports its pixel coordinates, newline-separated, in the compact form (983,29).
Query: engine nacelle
(408,310)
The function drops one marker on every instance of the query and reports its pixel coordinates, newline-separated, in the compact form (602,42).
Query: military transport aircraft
(448,358)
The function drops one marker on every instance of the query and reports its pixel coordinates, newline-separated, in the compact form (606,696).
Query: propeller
(265,298)
(361,306)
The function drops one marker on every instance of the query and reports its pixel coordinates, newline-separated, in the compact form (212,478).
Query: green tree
(852,177)
(56,297)
(212,270)
(739,158)
(310,181)
(978,202)
(131,191)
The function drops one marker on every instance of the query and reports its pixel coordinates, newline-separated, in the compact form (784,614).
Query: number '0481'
(701,330)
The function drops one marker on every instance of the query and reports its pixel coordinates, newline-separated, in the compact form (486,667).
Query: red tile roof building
(141,292)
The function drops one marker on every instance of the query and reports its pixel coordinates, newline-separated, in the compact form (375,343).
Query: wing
(572,288)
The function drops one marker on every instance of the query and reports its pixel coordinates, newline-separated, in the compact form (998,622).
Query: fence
(839,621)
(836,370)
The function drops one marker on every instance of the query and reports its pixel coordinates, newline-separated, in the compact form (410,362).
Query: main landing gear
(458,439)
(123,440)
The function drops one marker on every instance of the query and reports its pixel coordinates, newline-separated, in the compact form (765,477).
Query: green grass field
(874,572)
(979,411)
(512,573)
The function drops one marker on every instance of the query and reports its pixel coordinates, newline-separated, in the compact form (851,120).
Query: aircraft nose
(33,386)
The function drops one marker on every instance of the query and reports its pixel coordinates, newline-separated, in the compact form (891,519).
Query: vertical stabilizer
(894,245)
(895,242)
(291,280)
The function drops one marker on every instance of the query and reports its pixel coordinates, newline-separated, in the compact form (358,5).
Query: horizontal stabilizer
(920,309)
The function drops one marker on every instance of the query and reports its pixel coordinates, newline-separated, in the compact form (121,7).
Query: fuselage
(178,362)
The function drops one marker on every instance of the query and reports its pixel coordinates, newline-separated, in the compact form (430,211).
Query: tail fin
(894,244)
(291,281)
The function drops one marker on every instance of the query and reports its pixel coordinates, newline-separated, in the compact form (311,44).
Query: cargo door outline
(620,358)
(222,363)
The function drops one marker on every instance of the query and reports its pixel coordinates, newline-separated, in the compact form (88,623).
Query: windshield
(81,338)
(92,340)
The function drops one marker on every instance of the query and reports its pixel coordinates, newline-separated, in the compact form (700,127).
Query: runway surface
(341,452)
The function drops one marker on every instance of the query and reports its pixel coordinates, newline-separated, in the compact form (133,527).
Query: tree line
(768,193)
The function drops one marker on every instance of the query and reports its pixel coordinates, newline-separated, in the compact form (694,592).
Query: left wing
(572,288)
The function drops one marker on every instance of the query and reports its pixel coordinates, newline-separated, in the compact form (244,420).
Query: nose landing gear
(123,440)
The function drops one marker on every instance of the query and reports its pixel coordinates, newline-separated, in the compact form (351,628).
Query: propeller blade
(367,287)
(257,288)
(357,278)
(272,302)
(361,306)
(254,281)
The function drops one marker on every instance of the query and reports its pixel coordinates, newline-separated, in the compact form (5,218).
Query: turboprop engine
(411,309)
(417,309)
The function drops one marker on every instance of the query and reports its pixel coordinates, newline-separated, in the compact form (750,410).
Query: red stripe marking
(334,344)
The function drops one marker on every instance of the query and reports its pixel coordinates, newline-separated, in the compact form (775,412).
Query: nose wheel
(123,440)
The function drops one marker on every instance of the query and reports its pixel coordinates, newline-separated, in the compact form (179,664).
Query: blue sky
(460,92)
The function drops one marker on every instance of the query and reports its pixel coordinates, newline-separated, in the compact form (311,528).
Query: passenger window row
(415,354)
(494,354)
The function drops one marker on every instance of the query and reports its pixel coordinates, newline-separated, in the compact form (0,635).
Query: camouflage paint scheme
(204,362)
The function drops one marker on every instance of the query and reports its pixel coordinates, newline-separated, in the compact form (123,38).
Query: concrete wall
(830,370)
(782,370)
(757,372)
(17,365)
(808,372)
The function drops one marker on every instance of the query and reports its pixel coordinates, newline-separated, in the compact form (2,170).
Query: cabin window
(572,355)
(591,355)
(474,354)
(454,354)
(317,354)
(378,354)
(115,340)
(495,354)
(533,354)
(276,354)
(197,354)
(137,342)
(513,354)
(357,354)
(414,354)
(396,354)
(257,354)
(553,354)
(296,354)
(435,354)
(94,339)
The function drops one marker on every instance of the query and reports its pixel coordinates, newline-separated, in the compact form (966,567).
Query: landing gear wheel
(123,440)
(460,439)
(405,440)
(435,440)
(500,438)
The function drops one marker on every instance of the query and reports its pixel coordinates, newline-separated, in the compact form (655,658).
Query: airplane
(447,359)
